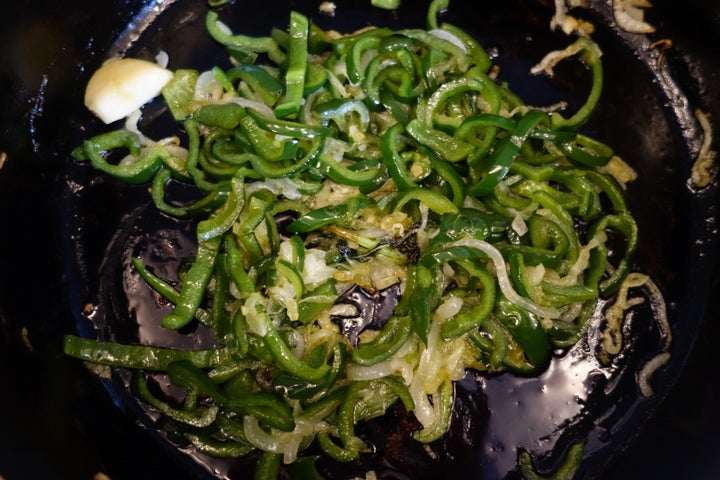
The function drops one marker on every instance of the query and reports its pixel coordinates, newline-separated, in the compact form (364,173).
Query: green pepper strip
(245,233)
(576,181)
(498,343)
(427,285)
(162,287)
(436,6)
(563,220)
(219,449)
(265,406)
(292,274)
(223,115)
(298,252)
(193,288)
(398,110)
(239,339)
(386,4)
(140,356)
(435,201)
(312,392)
(448,173)
(236,268)
(393,160)
(435,42)
(442,400)
(477,83)
(269,170)
(587,151)
(339,173)
(268,466)
(478,54)
(398,79)
(342,44)
(590,54)
(569,293)
(566,471)
(265,86)
(310,307)
(543,234)
(527,332)
(401,390)
(191,163)
(297,66)
(490,123)
(220,319)
(625,223)
(261,44)
(221,77)
(284,357)
(435,64)
(373,79)
(292,129)
(225,216)
(315,78)
(464,322)
(392,336)
(179,93)
(140,387)
(354,56)
(263,145)
(610,187)
(227,151)
(484,120)
(218,141)
(450,148)
(506,152)
(137,172)
(334,451)
(346,415)
(329,214)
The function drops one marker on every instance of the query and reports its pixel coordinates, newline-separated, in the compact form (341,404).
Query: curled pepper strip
(224,217)
(385,344)
(464,322)
(393,160)
(194,285)
(590,53)
(624,223)
(140,169)
(251,44)
(507,151)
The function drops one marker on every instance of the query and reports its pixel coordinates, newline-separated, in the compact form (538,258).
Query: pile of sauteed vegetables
(384,165)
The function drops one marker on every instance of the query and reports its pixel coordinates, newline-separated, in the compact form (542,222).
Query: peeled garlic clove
(122,86)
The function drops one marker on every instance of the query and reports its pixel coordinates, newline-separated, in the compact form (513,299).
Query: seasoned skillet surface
(59,422)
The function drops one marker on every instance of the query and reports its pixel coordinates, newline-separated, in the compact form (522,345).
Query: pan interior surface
(578,397)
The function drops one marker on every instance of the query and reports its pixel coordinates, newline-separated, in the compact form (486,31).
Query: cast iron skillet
(66,229)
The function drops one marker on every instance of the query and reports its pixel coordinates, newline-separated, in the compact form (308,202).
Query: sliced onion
(629,15)
(657,303)
(449,37)
(704,167)
(258,437)
(647,371)
(259,107)
(504,280)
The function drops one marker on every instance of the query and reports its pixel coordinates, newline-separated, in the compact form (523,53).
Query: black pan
(66,228)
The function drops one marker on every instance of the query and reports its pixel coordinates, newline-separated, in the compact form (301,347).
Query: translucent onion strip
(503,279)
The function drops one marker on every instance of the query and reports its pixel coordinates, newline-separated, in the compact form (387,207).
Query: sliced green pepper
(297,66)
